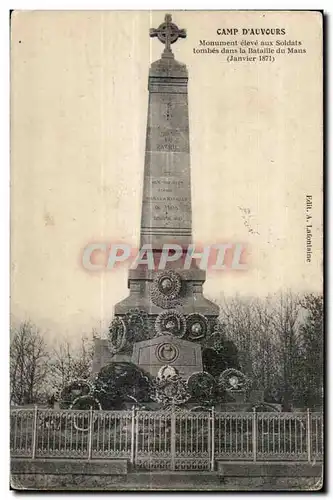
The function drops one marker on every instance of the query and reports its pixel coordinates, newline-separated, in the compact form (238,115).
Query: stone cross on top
(168,33)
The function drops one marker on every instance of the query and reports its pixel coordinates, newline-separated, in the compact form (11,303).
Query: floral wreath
(74,389)
(200,322)
(171,391)
(202,380)
(117,329)
(232,380)
(137,323)
(88,401)
(165,289)
(165,317)
(166,372)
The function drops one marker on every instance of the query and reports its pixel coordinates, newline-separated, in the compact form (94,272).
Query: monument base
(229,476)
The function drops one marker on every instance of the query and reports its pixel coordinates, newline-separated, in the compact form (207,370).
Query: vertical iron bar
(308,433)
(48,437)
(65,431)
(126,431)
(120,431)
(15,430)
(70,421)
(103,421)
(212,463)
(34,435)
(247,435)
(52,423)
(219,435)
(143,430)
(98,443)
(284,435)
(136,438)
(322,434)
(21,428)
(154,434)
(173,438)
(133,435)
(185,445)
(109,433)
(263,423)
(26,430)
(202,435)
(60,436)
(91,423)
(242,442)
(225,433)
(115,433)
(191,424)
(180,435)
(254,435)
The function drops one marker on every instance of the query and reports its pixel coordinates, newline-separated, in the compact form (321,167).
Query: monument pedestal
(168,351)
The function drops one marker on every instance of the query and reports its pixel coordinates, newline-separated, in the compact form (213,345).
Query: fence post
(133,436)
(91,426)
(173,438)
(34,433)
(137,416)
(254,434)
(212,464)
(308,433)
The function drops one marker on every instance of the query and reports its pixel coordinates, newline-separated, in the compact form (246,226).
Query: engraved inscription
(167,141)
(167,112)
(168,208)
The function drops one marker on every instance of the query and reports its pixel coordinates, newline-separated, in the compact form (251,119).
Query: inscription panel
(166,206)
(167,194)
(183,355)
(166,139)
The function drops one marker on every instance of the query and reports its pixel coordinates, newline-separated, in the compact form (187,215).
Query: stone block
(184,356)
(272,469)
(60,466)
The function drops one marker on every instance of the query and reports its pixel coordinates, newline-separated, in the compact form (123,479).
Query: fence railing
(170,439)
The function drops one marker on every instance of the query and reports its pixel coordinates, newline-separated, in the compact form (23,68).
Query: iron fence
(169,439)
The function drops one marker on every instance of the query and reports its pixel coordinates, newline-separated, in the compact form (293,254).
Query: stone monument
(163,321)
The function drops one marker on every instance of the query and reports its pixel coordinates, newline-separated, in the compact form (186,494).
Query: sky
(78,124)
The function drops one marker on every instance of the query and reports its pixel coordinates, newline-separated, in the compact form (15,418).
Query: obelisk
(169,301)
(166,205)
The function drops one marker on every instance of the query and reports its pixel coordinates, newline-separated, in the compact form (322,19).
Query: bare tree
(266,333)
(312,350)
(70,362)
(265,355)
(239,319)
(286,321)
(28,364)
